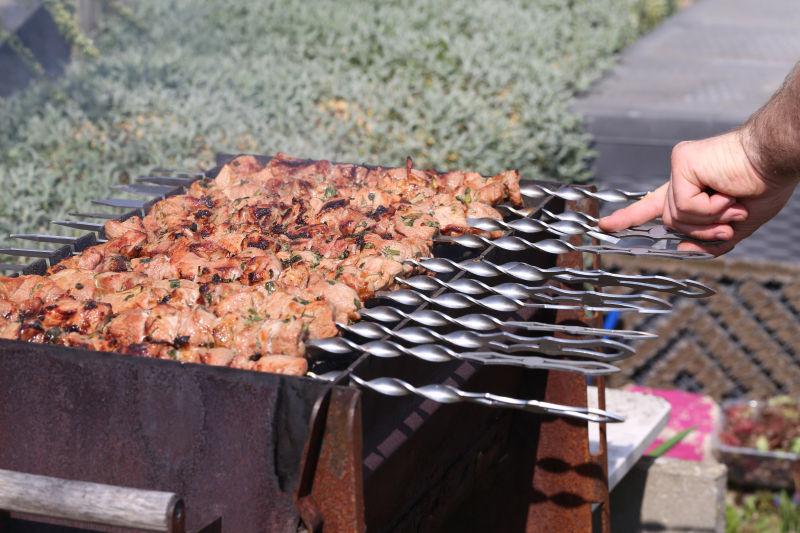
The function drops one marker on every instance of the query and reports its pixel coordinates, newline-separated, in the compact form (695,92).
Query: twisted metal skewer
(555,246)
(530,273)
(597,349)
(483,322)
(569,192)
(434,353)
(530,226)
(547,292)
(457,300)
(449,394)
(653,234)
(573,216)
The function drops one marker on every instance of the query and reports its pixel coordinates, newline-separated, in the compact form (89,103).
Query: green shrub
(476,84)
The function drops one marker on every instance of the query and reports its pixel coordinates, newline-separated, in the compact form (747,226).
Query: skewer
(434,353)
(120,202)
(502,341)
(484,322)
(504,304)
(556,246)
(568,192)
(449,394)
(529,273)
(547,292)
(40,237)
(78,224)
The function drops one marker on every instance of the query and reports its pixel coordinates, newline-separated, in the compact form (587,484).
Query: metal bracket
(330,494)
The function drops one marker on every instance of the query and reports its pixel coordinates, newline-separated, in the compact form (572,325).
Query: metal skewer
(78,224)
(556,246)
(568,192)
(529,273)
(502,341)
(483,322)
(434,353)
(654,233)
(457,300)
(121,202)
(24,252)
(40,237)
(647,303)
(158,191)
(450,394)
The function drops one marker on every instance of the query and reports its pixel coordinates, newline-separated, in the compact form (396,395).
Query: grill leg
(332,499)
(568,480)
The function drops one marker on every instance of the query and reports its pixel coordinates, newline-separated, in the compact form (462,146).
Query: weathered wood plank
(90,502)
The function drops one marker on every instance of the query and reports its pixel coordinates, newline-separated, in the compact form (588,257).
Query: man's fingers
(713,249)
(690,199)
(707,232)
(645,210)
(735,213)
(740,232)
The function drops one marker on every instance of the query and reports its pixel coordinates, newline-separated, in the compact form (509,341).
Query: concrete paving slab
(645,418)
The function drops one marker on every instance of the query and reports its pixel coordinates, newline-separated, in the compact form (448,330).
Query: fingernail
(721,236)
(738,217)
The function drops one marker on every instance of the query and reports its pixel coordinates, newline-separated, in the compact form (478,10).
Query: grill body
(263,452)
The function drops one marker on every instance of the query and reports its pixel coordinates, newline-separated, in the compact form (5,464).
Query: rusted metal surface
(330,493)
(419,473)
(337,491)
(227,441)
(567,479)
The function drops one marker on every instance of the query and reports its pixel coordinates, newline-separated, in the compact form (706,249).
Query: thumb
(645,210)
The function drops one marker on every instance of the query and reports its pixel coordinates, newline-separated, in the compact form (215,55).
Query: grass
(481,85)
(761,512)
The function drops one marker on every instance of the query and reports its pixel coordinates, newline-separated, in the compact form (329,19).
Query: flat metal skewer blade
(120,202)
(147,190)
(77,224)
(168,180)
(39,237)
(23,252)
(106,216)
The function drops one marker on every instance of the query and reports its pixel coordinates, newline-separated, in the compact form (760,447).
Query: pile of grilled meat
(244,268)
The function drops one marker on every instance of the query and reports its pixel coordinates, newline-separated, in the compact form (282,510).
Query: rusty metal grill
(434,342)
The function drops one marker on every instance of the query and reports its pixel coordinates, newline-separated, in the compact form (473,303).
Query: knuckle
(682,204)
(680,151)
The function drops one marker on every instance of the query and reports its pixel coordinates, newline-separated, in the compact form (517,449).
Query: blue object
(611,320)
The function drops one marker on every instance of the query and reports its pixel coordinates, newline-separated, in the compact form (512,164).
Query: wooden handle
(106,505)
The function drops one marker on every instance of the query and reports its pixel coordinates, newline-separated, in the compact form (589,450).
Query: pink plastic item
(688,410)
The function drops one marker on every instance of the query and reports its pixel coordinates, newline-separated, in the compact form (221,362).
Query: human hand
(715,193)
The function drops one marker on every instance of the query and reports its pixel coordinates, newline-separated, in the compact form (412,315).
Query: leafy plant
(667,445)
(761,512)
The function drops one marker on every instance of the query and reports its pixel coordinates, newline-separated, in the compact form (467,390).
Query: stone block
(670,495)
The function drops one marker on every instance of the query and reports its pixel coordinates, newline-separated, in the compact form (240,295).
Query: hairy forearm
(771,137)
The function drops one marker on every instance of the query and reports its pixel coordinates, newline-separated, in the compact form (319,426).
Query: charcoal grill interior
(253,449)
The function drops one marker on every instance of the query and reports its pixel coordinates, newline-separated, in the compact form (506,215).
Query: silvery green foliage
(484,85)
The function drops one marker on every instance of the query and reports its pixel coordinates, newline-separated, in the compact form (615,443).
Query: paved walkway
(700,73)
(13,13)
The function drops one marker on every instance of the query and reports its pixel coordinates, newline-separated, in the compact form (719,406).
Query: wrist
(771,136)
(774,162)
